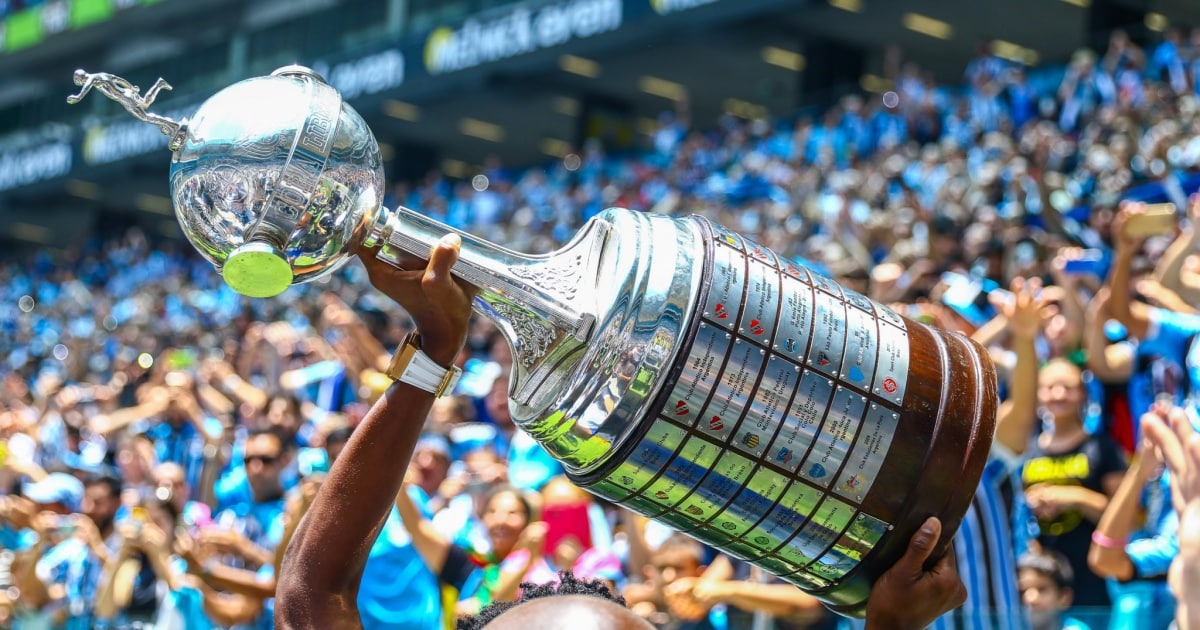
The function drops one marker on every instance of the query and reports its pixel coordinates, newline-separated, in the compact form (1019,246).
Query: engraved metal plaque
(761,492)
(874,439)
(829,335)
(818,534)
(862,535)
(766,412)
(795,321)
(733,390)
(762,304)
(891,376)
(833,443)
(699,375)
(803,421)
(793,510)
(684,472)
(727,476)
(649,457)
(727,287)
(862,349)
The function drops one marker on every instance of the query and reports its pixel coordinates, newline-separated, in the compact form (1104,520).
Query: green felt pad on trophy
(257,270)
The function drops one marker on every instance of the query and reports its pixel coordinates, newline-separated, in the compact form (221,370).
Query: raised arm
(323,564)
(1111,363)
(1107,556)
(1135,320)
(429,543)
(1015,419)
(1170,265)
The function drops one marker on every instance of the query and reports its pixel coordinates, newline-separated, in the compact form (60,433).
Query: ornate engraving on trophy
(561,279)
(795,320)
(862,348)
(699,376)
(770,403)
(728,475)
(733,390)
(762,304)
(874,439)
(649,457)
(837,433)
(761,492)
(891,377)
(538,337)
(862,535)
(829,335)
(802,422)
(792,511)
(725,294)
(684,472)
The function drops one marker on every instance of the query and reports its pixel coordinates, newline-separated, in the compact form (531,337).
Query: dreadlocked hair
(568,584)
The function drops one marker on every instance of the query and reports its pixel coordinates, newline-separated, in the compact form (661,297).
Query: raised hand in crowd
(1178,444)
(1176,269)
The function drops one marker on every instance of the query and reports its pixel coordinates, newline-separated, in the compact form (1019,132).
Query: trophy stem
(535,301)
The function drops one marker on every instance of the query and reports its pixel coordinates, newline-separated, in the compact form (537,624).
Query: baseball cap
(56,488)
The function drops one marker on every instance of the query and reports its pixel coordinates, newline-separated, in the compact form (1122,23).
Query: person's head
(1061,392)
(336,441)
(264,457)
(678,557)
(171,484)
(448,411)
(589,604)
(101,499)
(57,492)
(1045,579)
(505,514)
(431,460)
(164,515)
(496,402)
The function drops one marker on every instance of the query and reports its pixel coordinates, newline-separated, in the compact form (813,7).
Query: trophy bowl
(276,180)
(672,366)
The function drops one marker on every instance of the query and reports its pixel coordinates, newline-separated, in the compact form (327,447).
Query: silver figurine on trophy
(671,365)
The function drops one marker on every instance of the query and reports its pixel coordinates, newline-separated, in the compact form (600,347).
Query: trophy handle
(536,301)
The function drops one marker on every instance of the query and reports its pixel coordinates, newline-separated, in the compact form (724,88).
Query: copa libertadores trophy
(672,366)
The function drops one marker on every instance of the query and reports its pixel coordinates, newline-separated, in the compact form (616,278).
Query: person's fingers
(1167,443)
(920,547)
(442,257)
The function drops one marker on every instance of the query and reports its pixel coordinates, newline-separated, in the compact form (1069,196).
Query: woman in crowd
(478,577)
(1069,476)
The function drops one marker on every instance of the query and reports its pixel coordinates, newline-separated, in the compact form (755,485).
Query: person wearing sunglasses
(239,546)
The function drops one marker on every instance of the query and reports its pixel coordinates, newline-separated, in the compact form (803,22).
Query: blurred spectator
(1046,582)
(1069,477)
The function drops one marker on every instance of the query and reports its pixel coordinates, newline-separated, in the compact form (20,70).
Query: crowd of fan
(161,437)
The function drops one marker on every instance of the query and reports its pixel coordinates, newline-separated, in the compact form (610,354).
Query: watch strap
(411,365)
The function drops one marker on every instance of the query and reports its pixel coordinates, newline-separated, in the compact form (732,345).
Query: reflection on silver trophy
(671,365)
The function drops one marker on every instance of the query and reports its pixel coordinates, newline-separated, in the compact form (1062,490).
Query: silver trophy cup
(671,365)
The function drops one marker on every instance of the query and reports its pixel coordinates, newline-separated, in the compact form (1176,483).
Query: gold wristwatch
(410,365)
